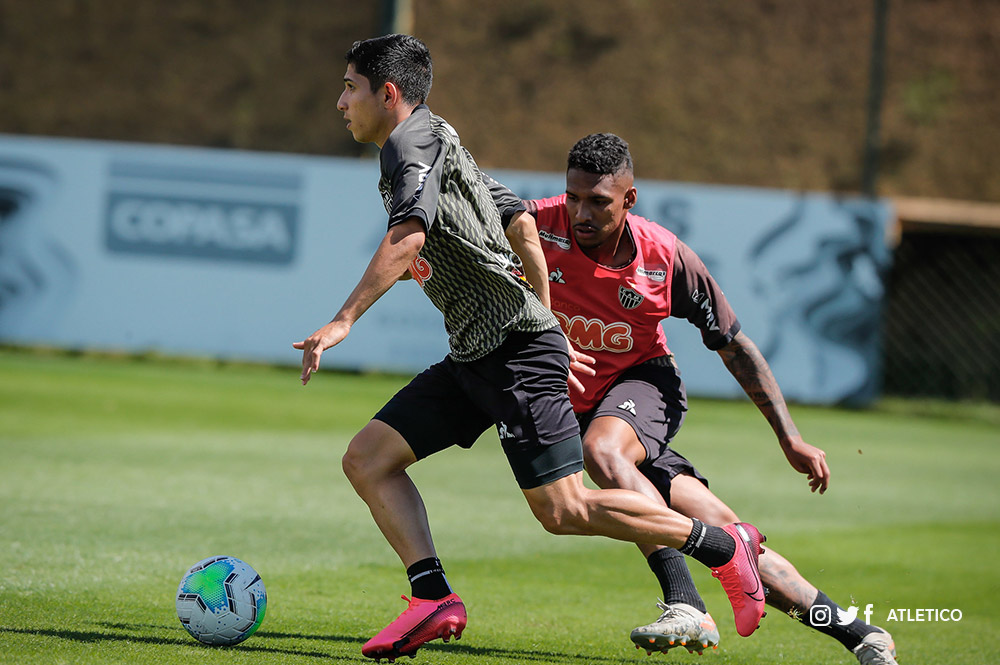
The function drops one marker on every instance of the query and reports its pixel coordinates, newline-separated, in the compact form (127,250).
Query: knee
(605,462)
(560,521)
(354,462)
(564,516)
(359,465)
(371,456)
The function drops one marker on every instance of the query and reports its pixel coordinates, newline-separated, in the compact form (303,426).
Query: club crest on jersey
(629,298)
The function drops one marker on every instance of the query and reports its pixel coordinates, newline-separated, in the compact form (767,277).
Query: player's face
(363,109)
(597,205)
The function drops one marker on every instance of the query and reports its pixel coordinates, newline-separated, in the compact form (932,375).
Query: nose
(341,104)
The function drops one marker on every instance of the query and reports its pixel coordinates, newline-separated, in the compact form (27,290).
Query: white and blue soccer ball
(221,601)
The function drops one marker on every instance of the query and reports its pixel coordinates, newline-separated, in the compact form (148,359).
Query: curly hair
(601,154)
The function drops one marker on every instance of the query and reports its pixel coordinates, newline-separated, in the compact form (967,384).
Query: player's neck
(616,252)
(395,117)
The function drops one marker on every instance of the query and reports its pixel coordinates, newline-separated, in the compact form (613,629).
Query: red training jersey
(614,314)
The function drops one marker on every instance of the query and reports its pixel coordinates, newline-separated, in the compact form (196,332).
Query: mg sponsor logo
(156,210)
(596,335)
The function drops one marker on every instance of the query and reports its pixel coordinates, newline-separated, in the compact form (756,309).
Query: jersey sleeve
(695,296)
(546,210)
(413,161)
(507,202)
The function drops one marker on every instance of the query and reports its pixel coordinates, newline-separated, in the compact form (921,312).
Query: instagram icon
(820,615)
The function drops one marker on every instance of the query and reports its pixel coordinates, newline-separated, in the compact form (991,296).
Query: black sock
(427,579)
(709,544)
(675,579)
(824,616)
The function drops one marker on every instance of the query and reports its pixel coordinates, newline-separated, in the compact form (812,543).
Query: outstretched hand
(579,363)
(312,347)
(809,460)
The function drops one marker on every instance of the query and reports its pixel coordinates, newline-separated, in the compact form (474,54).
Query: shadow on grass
(525,655)
(111,632)
(455,648)
(126,633)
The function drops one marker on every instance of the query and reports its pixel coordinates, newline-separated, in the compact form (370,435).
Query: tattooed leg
(788,591)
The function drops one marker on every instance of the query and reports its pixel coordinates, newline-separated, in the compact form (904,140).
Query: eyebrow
(592,195)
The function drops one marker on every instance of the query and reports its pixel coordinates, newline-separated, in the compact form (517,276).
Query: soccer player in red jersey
(507,367)
(613,278)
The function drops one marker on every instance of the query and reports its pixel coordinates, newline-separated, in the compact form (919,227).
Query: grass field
(117,475)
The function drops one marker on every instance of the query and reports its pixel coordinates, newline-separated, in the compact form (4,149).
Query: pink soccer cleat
(741,578)
(421,622)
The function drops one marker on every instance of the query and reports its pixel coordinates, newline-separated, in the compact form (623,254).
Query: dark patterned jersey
(465,266)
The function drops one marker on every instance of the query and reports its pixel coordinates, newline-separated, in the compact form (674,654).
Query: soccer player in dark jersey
(614,277)
(507,367)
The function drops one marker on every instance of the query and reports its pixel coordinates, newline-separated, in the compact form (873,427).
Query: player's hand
(579,363)
(312,347)
(809,460)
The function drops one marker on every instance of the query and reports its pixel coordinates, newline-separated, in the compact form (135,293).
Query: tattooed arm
(696,296)
(746,363)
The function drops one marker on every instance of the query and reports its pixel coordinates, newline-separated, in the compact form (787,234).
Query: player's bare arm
(747,365)
(523,237)
(392,259)
(522,233)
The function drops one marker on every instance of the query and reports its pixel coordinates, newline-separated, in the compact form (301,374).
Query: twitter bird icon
(844,618)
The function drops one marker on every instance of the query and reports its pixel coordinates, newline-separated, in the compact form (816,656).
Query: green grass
(116,475)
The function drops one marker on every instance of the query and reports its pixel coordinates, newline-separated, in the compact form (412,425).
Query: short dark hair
(600,154)
(400,59)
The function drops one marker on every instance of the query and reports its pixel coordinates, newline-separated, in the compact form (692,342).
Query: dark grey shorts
(520,388)
(651,398)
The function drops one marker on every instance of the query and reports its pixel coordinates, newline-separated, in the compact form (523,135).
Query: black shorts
(651,398)
(520,388)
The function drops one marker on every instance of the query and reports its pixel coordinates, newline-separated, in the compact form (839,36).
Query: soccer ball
(221,601)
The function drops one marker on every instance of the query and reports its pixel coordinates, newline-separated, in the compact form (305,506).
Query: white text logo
(562,243)
(821,615)
(655,275)
(161,225)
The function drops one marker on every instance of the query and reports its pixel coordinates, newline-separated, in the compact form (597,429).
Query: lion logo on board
(629,298)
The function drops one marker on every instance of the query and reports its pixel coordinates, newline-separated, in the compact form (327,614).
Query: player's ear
(391,94)
(631,196)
